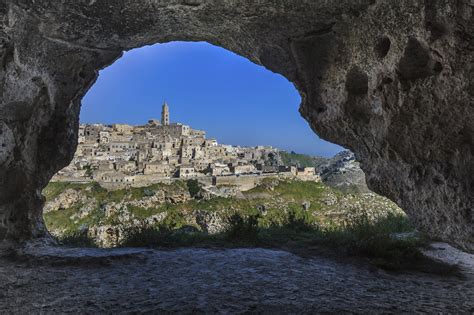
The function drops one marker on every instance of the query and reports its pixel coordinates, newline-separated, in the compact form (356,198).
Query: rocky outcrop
(390,80)
(160,197)
(104,217)
(65,200)
(344,173)
(211,222)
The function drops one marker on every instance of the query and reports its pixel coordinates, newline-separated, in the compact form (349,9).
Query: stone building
(243,169)
(165,115)
(114,177)
(125,166)
(186,171)
(219,169)
(157,168)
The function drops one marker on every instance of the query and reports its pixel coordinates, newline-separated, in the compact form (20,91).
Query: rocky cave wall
(391,80)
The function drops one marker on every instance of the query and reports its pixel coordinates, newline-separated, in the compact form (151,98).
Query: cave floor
(223,281)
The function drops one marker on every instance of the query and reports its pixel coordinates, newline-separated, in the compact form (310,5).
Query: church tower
(165,115)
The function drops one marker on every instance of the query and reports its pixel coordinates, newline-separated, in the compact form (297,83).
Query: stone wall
(390,80)
(244,182)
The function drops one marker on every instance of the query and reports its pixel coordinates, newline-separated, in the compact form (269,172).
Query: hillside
(302,160)
(104,215)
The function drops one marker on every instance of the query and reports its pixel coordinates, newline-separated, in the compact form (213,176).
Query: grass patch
(61,220)
(142,213)
(299,189)
(54,189)
(76,239)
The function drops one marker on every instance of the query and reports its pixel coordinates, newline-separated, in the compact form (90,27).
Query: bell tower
(165,115)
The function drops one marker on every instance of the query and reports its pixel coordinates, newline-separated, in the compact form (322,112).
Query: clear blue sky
(209,88)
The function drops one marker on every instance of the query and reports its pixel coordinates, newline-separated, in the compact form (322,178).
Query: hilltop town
(160,151)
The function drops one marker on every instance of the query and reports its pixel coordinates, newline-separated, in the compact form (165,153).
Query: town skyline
(171,121)
(159,151)
(258,108)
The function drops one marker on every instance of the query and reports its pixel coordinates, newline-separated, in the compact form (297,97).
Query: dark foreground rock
(390,80)
(220,281)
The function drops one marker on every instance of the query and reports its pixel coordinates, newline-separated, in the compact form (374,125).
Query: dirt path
(220,281)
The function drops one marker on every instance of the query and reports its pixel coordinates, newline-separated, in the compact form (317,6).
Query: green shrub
(159,236)
(375,240)
(165,236)
(89,170)
(242,229)
(77,239)
(193,187)
(297,223)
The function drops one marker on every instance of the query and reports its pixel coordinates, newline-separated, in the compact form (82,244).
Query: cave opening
(171,129)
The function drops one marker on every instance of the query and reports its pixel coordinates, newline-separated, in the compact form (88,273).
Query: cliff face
(390,80)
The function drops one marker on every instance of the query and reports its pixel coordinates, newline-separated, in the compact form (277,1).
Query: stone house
(121,146)
(104,137)
(125,166)
(113,177)
(157,168)
(267,168)
(243,169)
(219,169)
(186,171)
(293,170)
(306,171)
(122,128)
(106,166)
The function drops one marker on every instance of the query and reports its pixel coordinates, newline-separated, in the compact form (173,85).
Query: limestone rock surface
(210,280)
(344,173)
(390,80)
